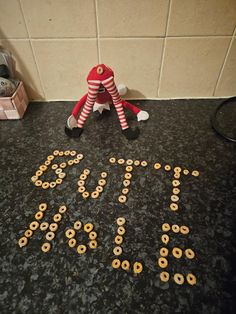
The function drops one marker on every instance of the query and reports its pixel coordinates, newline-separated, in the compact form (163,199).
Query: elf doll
(102,92)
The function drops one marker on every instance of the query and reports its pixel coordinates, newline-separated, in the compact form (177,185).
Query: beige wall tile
(64,66)
(25,66)
(136,63)
(60,18)
(12,23)
(227,83)
(202,17)
(132,17)
(191,66)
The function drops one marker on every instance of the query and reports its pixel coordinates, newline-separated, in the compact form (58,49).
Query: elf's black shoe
(131,134)
(74,132)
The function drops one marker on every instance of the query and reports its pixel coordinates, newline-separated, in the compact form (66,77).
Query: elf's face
(103,95)
(101,89)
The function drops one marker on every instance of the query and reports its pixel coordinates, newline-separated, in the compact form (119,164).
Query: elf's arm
(78,106)
(72,120)
(141,114)
(130,107)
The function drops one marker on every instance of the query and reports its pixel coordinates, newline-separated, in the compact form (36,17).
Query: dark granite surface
(178,133)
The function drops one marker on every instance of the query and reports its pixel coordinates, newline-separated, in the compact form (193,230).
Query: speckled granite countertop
(178,133)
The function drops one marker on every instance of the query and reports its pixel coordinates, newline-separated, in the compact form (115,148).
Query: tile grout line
(32,49)
(62,38)
(224,62)
(163,49)
(117,37)
(162,37)
(98,31)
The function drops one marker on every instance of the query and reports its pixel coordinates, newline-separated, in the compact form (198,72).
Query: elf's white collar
(101,107)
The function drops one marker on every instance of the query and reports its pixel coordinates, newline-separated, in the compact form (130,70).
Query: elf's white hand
(122,89)
(142,115)
(71,122)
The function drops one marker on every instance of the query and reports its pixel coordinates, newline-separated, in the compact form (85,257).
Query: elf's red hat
(100,72)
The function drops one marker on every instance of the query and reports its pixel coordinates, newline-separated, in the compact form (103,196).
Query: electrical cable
(215,123)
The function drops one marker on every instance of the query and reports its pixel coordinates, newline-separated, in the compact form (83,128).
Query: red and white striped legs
(91,97)
(112,90)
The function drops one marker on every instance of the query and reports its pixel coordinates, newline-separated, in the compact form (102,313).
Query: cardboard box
(15,106)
